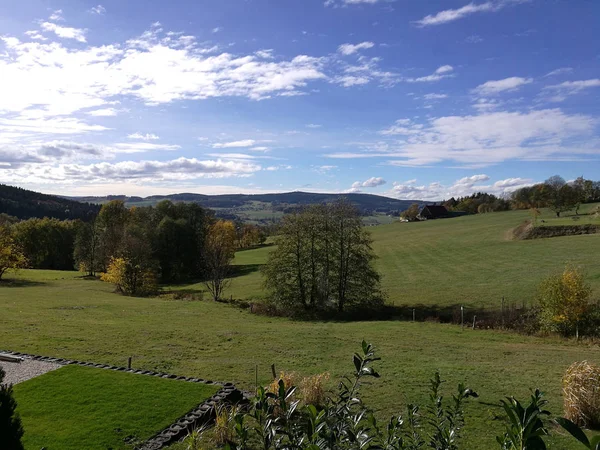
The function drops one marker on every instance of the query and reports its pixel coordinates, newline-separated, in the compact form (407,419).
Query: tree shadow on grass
(17,283)
(243,270)
(254,247)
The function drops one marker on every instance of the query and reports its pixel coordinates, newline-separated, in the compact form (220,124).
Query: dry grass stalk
(581,392)
(223,430)
(312,389)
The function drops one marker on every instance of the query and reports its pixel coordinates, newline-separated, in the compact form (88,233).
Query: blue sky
(410,99)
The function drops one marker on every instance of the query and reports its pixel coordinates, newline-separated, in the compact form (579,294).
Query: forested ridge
(25,204)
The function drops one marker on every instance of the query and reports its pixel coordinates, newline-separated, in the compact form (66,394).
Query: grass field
(588,214)
(54,313)
(77,407)
(465,260)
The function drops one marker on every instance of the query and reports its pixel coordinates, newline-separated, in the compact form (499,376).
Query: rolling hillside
(465,260)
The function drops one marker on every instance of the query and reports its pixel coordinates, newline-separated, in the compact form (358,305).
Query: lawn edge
(201,415)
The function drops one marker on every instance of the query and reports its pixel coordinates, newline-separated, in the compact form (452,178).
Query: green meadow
(467,260)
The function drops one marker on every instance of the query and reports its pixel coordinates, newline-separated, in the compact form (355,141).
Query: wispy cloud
(561,71)
(99,10)
(498,86)
(450,15)
(349,49)
(144,137)
(485,139)
(437,191)
(441,73)
(235,144)
(563,90)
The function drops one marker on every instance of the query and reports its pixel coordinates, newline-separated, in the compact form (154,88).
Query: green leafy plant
(579,434)
(276,421)
(525,429)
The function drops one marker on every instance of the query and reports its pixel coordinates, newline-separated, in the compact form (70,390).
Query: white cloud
(104,112)
(56,16)
(35,34)
(486,139)
(450,15)
(235,144)
(216,29)
(562,90)
(437,191)
(473,39)
(349,49)
(497,86)
(99,9)
(560,71)
(57,125)
(440,73)
(313,125)
(65,32)
(370,183)
(140,171)
(434,96)
(143,137)
(141,147)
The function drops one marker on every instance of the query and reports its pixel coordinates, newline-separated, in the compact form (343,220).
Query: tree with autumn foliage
(219,252)
(564,301)
(11,256)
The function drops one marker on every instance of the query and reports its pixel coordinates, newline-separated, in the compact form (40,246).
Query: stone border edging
(201,415)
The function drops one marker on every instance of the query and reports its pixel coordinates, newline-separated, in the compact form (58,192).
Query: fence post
(273,371)
(413,314)
(462,316)
(474,318)
(129,363)
(502,313)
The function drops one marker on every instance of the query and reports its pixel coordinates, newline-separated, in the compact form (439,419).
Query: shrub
(129,278)
(564,301)
(581,391)
(11,429)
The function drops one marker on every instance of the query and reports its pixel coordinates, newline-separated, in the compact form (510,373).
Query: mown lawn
(59,314)
(78,407)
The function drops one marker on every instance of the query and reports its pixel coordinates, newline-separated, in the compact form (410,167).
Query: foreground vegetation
(61,314)
(78,407)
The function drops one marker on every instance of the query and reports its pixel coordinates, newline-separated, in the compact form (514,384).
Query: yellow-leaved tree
(11,256)
(219,252)
(130,278)
(564,301)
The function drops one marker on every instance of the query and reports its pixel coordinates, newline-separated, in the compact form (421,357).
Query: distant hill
(365,202)
(25,204)
(259,208)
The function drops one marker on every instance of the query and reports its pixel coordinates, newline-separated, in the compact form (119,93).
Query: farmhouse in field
(433,212)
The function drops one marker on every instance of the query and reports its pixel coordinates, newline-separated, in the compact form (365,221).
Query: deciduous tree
(219,252)
(11,256)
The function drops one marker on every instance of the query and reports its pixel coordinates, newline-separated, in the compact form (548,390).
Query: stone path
(25,370)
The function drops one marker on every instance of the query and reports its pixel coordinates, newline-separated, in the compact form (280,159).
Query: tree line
(557,195)
(135,247)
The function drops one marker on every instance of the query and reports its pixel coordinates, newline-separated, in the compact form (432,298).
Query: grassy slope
(465,260)
(80,407)
(59,314)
